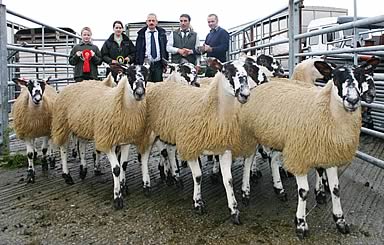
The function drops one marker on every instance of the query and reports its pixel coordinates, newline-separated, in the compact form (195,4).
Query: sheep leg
(246,187)
(96,163)
(276,178)
(319,187)
(123,166)
(163,166)
(338,215)
(145,172)
(215,176)
(174,166)
(83,163)
(30,155)
(300,221)
(198,202)
(115,167)
(64,158)
(44,151)
(51,152)
(255,171)
(225,167)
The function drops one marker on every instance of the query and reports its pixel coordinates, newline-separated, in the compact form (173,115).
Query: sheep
(304,74)
(32,116)
(199,120)
(109,116)
(80,144)
(184,73)
(313,127)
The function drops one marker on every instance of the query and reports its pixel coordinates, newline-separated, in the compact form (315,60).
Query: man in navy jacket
(216,43)
(153,53)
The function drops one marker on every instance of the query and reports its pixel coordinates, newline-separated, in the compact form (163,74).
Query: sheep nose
(353,100)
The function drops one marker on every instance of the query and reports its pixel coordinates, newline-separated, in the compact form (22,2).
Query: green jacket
(77,61)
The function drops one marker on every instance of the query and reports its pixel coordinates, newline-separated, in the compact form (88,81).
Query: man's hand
(79,53)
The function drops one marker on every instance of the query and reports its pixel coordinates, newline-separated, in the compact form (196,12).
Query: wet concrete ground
(51,212)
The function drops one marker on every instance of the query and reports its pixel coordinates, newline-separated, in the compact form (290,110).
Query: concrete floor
(50,212)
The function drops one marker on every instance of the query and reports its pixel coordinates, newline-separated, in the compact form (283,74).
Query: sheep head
(271,64)
(236,77)
(35,88)
(186,71)
(353,84)
(137,76)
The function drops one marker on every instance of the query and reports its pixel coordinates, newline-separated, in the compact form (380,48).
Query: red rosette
(87,55)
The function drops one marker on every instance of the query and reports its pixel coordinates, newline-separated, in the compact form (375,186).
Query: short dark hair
(118,22)
(213,15)
(186,16)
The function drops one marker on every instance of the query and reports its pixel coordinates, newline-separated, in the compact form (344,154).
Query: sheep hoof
(255,176)
(301,233)
(321,198)
(118,203)
(236,218)
(170,180)
(199,207)
(30,176)
(83,172)
(341,225)
(147,191)
(97,172)
(179,183)
(245,199)
(68,179)
(74,153)
(44,164)
(214,178)
(162,174)
(281,194)
(301,228)
(124,189)
(52,162)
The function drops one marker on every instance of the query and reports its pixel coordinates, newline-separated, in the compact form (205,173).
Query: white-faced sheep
(199,120)
(312,127)
(109,116)
(32,117)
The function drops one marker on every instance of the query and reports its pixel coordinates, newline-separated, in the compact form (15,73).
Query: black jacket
(78,62)
(140,45)
(111,49)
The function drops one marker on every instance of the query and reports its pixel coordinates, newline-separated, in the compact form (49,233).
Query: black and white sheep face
(271,64)
(255,72)
(189,73)
(237,76)
(137,77)
(347,87)
(35,87)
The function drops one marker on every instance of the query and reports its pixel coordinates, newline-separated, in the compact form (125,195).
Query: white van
(337,39)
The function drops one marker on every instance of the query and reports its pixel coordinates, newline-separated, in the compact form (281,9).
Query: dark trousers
(80,79)
(156,72)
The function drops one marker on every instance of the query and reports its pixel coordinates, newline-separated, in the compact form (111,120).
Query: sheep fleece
(194,119)
(93,111)
(32,121)
(299,122)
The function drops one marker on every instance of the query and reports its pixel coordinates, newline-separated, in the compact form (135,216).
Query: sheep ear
(20,81)
(215,64)
(324,68)
(264,60)
(48,79)
(370,65)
